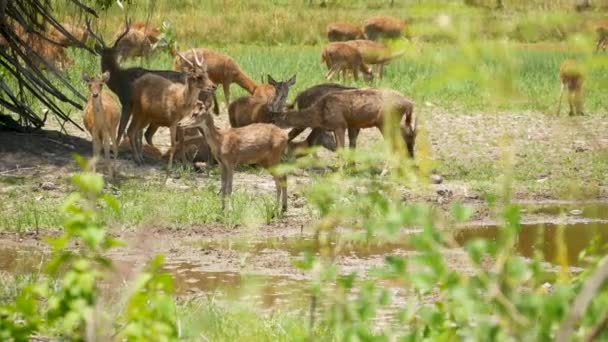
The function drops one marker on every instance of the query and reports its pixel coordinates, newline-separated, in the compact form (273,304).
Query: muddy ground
(470,138)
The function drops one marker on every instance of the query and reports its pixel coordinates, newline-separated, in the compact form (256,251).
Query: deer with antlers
(161,102)
(122,79)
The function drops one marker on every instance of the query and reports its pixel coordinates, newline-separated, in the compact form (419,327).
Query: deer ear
(86,77)
(105,77)
(271,80)
(292,80)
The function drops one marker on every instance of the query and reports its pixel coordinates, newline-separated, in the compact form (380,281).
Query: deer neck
(190,94)
(307,117)
(212,135)
(109,62)
(97,107)
(245,82)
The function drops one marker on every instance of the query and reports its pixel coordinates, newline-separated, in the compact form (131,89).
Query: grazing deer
(222,70)
(78,33)
(602,36)
(101,115)
(341,57)
(161,102)
(251,109)
(343,31)
(356,109)
(571,76)
(121,80)
(380,27)
(258,143)
(374,53)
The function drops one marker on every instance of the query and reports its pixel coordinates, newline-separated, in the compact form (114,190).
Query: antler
(185,59)
(198,62)
(127,28)
(97,37)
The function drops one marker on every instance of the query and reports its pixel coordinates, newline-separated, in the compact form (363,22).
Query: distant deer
(343,31)
(251,109)
(101,115)
(258,143)
(42,50)
(306,99)
(140,41)
(222,70)
(121,80)
(79,33)
(602,36)
(380,27)
(341,57)
(161,102)
(374,53)
(571,76)
(356,109)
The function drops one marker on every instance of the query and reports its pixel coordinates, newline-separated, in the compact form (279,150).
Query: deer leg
(150,131)
(173,130)
(340,137)
(561,94)
(96,148)
(294,133)
(353,133)
(571,102)
(125,114)
(381,71)
(355,73)
(106,152)
(226,86)
(284,191)
(224,185)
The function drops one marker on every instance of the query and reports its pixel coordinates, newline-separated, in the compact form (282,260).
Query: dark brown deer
(161,102)
(122,79)
(356,109)
(341,57)
(381,27)
(101,114)
(258,143)
(251,109)
(343,31)
(221,68)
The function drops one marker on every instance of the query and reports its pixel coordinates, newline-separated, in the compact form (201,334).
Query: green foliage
(65,303)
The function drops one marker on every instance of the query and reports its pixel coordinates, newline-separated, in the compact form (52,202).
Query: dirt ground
(47,156)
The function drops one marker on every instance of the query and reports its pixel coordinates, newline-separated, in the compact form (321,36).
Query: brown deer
(602,36)
(43,50)
(343,31)
(251,109)
(341,57)
(571,76)
(380,27)
(356,109)
(374,53)
(140,41)
(122,79)
(101,115)
(158,101)
(222,70)
(79,33)
(258,143)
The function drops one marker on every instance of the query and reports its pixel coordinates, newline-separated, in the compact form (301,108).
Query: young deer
(258,143)
(221,68)
(343,31)
(100,118)
(251,109)
(161,102)
(341,57)
(374,53)
(571,76)
(380,27)
(121,80)
(354,110)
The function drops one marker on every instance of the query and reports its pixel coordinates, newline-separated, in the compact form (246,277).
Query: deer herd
(182,99)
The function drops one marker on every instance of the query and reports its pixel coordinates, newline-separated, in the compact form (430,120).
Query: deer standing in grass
(258,143)
(343,31)
(221,68)
(602,35)
(341,57)
(251,109)
(160,102)
(101,114)
(383,27)
(122,79)
(353,110)
(374,53)
(571,77)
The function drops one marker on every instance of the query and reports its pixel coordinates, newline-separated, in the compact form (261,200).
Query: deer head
(95,84)
(282,91)
(196,73)
(199,115)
